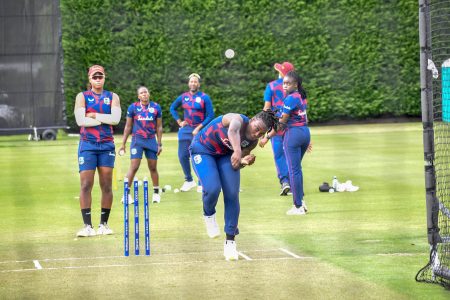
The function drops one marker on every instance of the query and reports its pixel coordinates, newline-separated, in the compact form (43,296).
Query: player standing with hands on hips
(296,137)
(273,100)
(96,110)
(144,118)
(198,112)
(218,152)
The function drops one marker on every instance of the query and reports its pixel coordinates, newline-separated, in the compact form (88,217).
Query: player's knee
(86,186)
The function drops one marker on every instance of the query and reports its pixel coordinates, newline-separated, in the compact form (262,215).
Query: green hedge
(358,58)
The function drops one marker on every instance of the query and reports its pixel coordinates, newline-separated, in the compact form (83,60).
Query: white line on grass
(121,256)
(142,264)
(244,256)
(37,265)
(290,253)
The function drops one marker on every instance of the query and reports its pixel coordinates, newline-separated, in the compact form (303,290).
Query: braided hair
(294,75)
(269,119)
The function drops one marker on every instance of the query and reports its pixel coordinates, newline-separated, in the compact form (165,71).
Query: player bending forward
(218,153)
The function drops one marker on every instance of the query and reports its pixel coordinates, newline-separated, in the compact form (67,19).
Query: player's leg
(280,164)
(152,159)
(105,168)
(296,141)
(86,182)
(230,179)
(184,157)
(206,169)
(136,153)
(87,163)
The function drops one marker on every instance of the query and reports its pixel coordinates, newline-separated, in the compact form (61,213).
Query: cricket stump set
(126,213)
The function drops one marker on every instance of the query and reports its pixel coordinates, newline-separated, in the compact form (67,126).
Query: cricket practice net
(434,27)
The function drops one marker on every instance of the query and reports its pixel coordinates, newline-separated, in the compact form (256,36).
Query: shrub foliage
(358,59)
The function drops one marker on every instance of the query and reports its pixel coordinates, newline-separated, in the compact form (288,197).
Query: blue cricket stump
(136,215)
(125,218)
(146,218)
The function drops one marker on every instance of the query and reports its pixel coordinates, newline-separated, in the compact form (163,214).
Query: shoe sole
(285,191)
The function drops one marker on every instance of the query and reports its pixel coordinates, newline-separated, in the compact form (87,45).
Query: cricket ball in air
(229,53)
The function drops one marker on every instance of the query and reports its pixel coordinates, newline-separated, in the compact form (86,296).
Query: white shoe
(349,187)
(212,229)
(156,198)
(304,206)
(296,211)
(199,189)
(187,185)
(130,199)
(230,251)
(86,231)
(103,229)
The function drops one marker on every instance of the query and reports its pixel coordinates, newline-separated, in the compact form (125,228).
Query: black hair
(269,119)
(298,79)
(140,87)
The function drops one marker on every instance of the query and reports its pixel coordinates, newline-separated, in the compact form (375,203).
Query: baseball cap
(284,68)
(96,69)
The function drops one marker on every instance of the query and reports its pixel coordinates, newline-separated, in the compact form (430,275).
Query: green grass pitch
(363,245)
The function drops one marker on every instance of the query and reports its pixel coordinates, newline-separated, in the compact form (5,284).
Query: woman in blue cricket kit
(197,113)
(218,152)
(296,138)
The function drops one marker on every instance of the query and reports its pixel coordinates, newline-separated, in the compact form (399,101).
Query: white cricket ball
(331,190)
(168,187)
(176,190)
(121,152)
(229,53)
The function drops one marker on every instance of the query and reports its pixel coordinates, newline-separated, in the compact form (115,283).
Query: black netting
(31,89)
(438,37)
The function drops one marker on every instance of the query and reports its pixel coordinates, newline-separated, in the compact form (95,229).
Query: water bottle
(335,183)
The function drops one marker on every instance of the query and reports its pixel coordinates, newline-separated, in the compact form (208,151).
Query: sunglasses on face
(97,77)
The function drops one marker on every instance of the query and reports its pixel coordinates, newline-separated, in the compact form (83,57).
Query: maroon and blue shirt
(197,108)
(98,103)
(213,139)
(295,106)
(144,118)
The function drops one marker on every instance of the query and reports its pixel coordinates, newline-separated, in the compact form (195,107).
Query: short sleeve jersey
(295,106)
(213,139)
(144,118)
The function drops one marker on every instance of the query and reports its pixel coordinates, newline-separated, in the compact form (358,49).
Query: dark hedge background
(359,58)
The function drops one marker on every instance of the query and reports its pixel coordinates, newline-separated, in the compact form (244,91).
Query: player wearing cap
(273,99)
(96,111)
(145,119)
(218,152)
(197,113)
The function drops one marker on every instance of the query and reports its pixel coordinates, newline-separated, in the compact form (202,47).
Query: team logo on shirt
(145,119)
(186,99)
(107,101)
(197,159)
(198,99)
(287,107)
(139,109)
(91,99)
(151,110)
(81,160)
(244,143)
